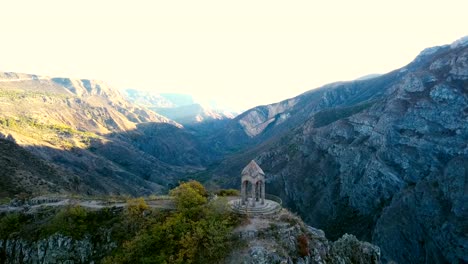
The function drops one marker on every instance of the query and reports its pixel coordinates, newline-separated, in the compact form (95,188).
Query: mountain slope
(385,159)
(192,114)
(85,105)
(22,172)
(178,107)
(268,122)
(88,129)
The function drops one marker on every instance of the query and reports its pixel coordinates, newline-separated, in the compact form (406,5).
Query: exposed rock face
(255,121)
(279,238)
(327,104)
(284,238)
(54,249)
(393,172)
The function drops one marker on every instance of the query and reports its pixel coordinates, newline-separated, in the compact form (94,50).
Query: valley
(383,158)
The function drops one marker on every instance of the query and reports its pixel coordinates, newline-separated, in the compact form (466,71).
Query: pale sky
(241,53)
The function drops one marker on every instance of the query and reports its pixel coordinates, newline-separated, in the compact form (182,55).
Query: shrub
(9,224)
(189,195)
(70,221)
(134,218)
(228,192)
(5,200)
(197,232)
(136,207)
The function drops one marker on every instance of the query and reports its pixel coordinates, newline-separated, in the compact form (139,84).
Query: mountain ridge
(383,158)
(181,108)
(91,131)
(363,155)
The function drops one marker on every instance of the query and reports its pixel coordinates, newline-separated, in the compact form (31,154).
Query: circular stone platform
(270,207)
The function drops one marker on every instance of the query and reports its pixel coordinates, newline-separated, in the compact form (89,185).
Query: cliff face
(395,173)
(54,249)
(392,169)
(281,238)
(284,238)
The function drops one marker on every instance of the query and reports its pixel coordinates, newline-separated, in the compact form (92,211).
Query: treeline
(197,231)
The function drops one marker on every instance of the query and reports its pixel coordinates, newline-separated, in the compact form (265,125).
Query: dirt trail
(91,204)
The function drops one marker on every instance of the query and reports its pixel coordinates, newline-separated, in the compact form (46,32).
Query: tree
(197,232)
(189,195)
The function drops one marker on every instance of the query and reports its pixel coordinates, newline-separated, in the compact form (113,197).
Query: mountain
(368,76)
(148,99)
(23,172)
(96,138)
(181,108)
(385,159)
(90,105)
(165,230)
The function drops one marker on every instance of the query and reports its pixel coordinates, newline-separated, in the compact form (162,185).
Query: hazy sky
(241,53)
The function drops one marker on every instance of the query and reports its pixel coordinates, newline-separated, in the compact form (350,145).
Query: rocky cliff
(54,249)
(280,238)
(384,159)
(284,238)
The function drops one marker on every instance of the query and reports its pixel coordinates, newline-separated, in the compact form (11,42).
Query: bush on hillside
(228,192)
(198,232)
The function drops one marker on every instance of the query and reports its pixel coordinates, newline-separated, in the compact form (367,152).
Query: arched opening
(260,191)
(246,191)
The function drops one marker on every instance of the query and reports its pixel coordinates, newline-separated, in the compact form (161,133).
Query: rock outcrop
(54,249)
(284,238)
(384,159)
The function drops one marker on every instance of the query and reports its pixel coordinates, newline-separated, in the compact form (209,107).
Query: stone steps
(270,207)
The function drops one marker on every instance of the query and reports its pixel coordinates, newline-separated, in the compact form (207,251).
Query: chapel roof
(252,169)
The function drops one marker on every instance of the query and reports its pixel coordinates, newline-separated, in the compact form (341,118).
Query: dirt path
(91,204)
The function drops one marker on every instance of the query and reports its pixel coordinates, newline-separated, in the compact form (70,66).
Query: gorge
(383,158)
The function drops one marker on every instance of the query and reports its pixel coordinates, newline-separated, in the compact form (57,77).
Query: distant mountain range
(384,158)
(91,137)
(181,108)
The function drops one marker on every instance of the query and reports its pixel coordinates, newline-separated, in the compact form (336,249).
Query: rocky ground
(278,238)
(284,238)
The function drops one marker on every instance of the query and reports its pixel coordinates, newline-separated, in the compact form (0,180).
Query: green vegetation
(228,192)
(21,94)
(189,195)
(4,200)
(10,224)
(198,231)
(55,134)
(328,116)
(73,221)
